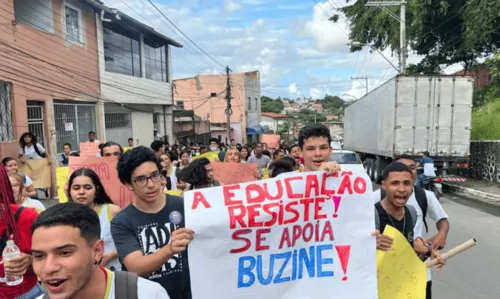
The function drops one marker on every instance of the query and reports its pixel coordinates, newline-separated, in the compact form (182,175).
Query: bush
(486,121)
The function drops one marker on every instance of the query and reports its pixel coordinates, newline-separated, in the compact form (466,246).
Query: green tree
(443,31)
(270,105)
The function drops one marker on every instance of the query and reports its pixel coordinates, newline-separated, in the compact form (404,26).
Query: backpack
(421,198)
(125,285)
(35,146)
(411,209)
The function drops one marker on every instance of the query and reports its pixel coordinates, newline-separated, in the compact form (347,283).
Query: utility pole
(229,111)
(361,78)
(402,30)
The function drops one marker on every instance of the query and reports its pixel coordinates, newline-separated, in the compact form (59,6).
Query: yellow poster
(212,156)
(265,173)
(400,273)
(173,192)
(62,174)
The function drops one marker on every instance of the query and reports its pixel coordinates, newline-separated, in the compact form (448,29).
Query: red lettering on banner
(199,198)
(253,212)
(289,208)
(306,202)
(228,195)
(323,185)
(318,207)
(321,232)
(260,238)
(236,215)
(359,185)
(345,184)
(238,236)
(279,195)
(289,189)
(268,209)
(255,193)
(311,184)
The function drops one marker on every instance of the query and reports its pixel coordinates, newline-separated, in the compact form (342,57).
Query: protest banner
(62,175)
(400,273)
(272,141)
(302,235)
(38,170)
(105,168)
(212,156)
(89,149)
(234,173)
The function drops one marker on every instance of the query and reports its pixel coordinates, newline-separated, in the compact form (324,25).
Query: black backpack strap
(18,213)
(421,198)
(126,285)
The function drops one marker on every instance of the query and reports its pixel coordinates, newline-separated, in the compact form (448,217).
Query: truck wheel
(371,168)
(377,171)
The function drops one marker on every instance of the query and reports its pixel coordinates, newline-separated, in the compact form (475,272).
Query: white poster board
(302,235)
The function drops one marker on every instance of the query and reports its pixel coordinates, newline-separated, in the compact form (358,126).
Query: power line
(184,33)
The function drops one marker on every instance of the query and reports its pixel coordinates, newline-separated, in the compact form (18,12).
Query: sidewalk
(480,191)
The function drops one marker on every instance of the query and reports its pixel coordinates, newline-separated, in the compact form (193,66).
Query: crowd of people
(90,248)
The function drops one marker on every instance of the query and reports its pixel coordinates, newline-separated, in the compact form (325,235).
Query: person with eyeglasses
(111,149)
(149,234)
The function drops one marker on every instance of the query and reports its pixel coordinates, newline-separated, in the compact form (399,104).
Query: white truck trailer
(410,115)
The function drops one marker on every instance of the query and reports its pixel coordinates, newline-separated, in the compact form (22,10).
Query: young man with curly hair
(149,234)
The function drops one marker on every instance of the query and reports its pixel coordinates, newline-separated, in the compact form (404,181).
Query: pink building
(206,96)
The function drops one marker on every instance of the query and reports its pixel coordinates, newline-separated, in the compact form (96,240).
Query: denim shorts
(34,293)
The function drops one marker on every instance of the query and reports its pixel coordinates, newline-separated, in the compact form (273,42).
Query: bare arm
(147,264)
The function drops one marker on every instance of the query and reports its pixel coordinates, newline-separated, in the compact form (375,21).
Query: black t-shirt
(134,230)
(405,225)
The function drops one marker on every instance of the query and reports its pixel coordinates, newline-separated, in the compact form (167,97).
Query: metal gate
(35,122)
(73,124)
(118,127)
(6,127)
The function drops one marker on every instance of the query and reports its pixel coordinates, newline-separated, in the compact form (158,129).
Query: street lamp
(360,44)
(350,95)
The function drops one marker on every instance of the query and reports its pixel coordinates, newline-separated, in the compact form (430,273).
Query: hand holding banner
(302,235)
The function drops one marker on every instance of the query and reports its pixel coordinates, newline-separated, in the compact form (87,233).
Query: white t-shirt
(28,182)
(146,289)
(30,152)
(33,203)
(429,169)
(434,211)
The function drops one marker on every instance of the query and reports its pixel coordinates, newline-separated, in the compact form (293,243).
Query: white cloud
(292,88)
(328,35)
(231,6)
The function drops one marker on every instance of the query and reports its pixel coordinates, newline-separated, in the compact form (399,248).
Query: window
(249,103)
(122,53)
(6,127)
(213,94)
(256,104)
(73,28)
(156,62)
(35,13)
(180,104)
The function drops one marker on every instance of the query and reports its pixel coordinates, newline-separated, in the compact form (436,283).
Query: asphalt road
(474,274)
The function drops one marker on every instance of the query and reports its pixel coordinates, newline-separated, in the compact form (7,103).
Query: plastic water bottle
(11,251)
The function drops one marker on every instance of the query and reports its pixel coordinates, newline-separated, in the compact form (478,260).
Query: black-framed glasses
(143,180)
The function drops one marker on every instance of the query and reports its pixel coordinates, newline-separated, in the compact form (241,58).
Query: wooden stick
(452,252)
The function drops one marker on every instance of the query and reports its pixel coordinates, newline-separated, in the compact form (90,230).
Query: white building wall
(142,128)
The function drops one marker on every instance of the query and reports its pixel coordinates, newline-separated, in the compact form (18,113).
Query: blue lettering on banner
(251,268)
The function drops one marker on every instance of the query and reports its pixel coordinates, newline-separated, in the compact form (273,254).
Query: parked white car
(345,157)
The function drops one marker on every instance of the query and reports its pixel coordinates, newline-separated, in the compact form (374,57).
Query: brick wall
(480,74)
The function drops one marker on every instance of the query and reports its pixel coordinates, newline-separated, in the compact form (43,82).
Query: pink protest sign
(234,173)
(105,168)
(272,141)
(301,235)
(89,149)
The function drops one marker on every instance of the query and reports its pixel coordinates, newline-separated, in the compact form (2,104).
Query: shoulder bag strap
(125,285)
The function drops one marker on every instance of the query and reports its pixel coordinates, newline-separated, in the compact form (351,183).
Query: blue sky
(296,49)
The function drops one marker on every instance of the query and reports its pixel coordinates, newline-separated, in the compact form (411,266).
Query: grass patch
(486,122)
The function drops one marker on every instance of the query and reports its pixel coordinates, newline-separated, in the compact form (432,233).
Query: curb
(478,196)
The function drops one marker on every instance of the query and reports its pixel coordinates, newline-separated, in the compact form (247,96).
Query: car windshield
(345,158)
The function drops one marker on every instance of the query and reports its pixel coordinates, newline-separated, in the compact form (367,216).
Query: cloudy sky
(291,42)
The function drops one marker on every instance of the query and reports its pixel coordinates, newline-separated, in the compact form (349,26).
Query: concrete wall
(252,91)
(485,160)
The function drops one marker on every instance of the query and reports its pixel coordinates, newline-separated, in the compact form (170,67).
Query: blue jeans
(33,293)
